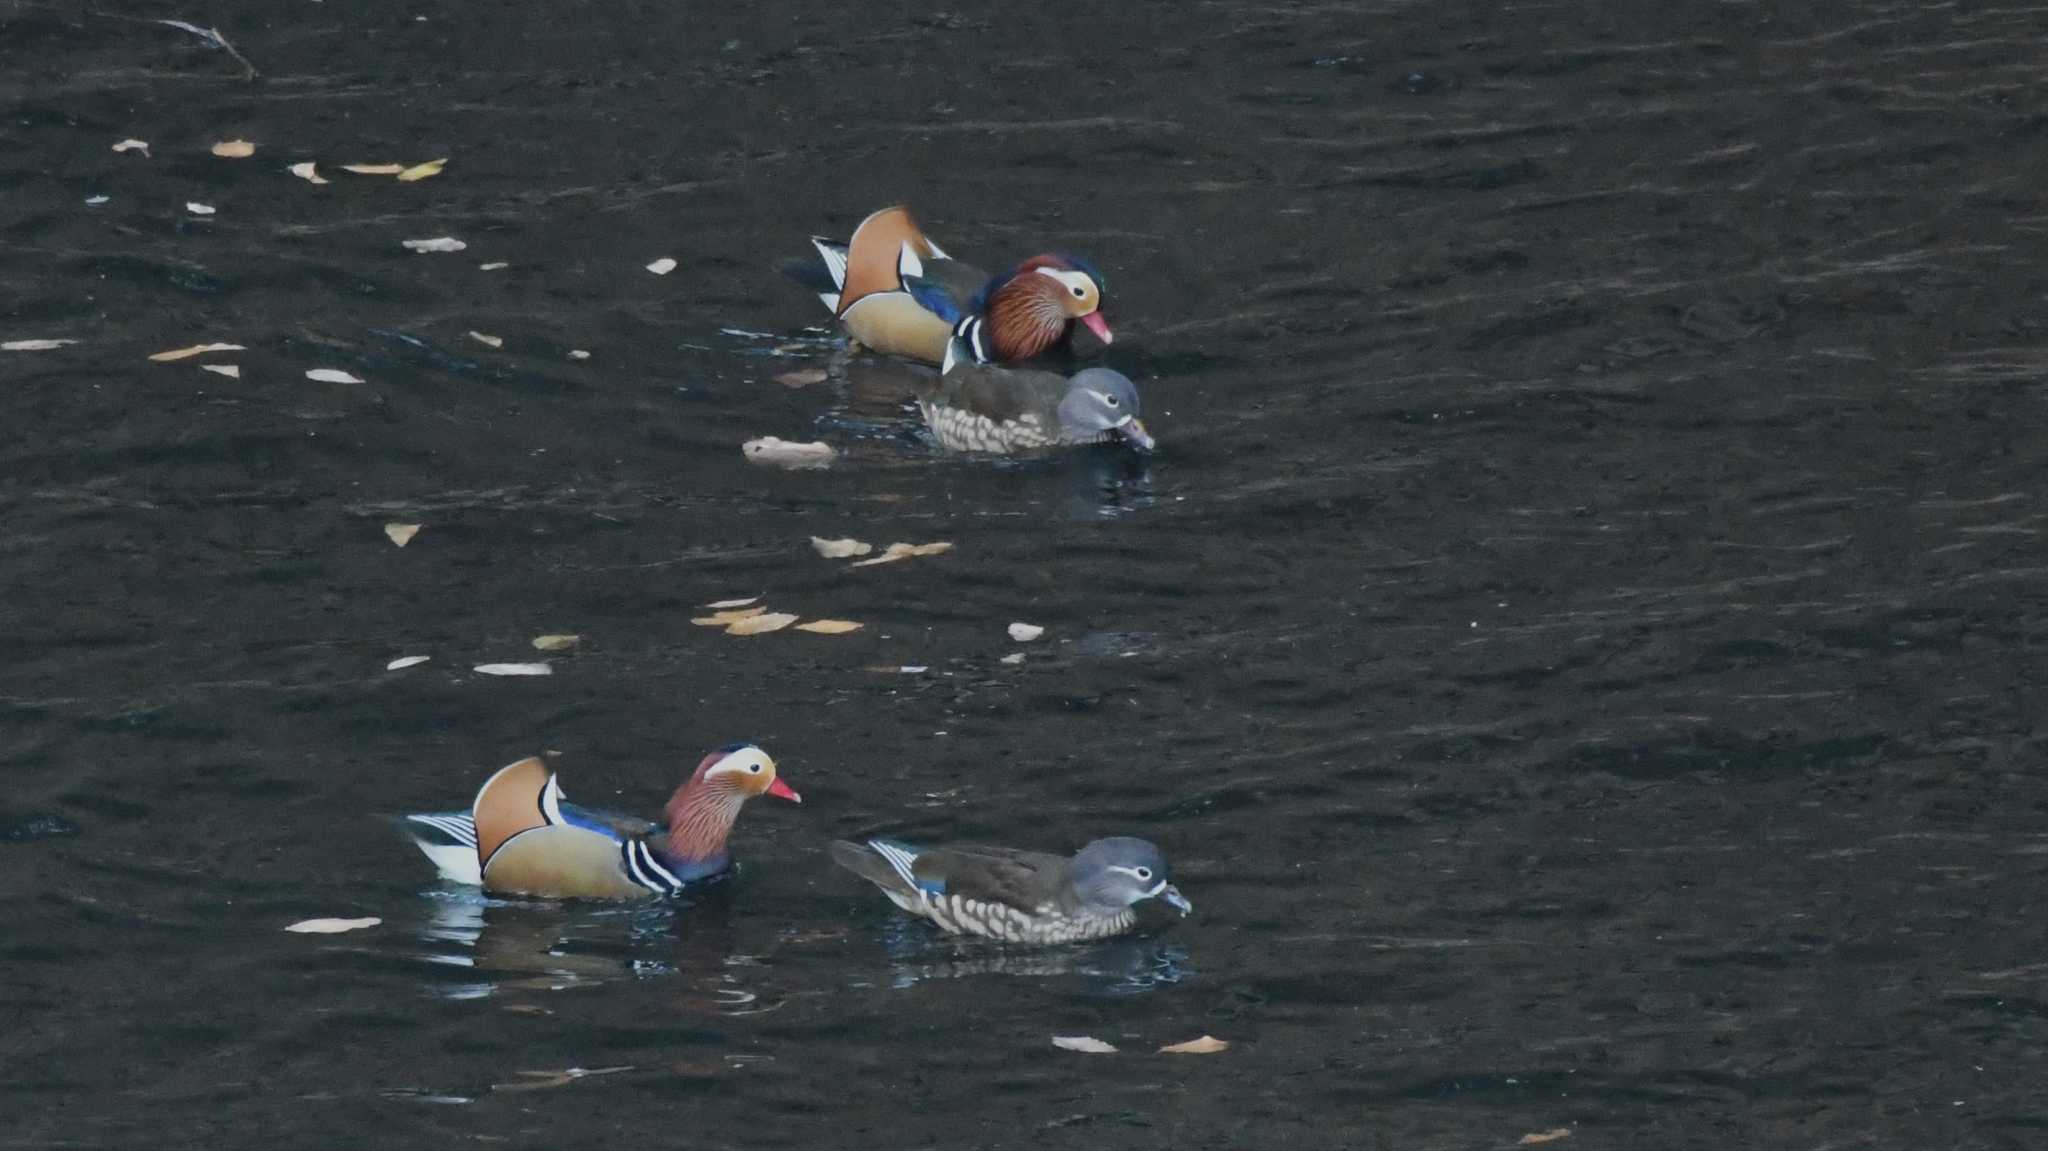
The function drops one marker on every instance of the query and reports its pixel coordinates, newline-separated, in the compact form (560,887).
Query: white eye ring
(1144,874)
(1080,293)
(754,769)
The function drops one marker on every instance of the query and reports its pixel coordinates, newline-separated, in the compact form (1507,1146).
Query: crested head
(1100,404)
(701,812)
(1111,875)
(1034,306)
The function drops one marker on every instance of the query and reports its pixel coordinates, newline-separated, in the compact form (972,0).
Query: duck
(898,293)
(974,407)
(1018,896)
(521,837)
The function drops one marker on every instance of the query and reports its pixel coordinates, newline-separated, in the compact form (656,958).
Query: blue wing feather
(933,297)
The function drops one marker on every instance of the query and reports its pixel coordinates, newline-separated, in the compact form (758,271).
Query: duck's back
(979,408)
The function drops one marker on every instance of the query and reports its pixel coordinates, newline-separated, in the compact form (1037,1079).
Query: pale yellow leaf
(721,619)
(304,171)
(513,669)
(662,267)
(493,266)
(374,169)
(332,926)
(829,626)
(1535,1137)
(788,454)
(133,145)
(841,548)
(234,149)
(556,642)
(401,534)
(331,376)
(33,345)
(930,549)
(721,605)
(487,340)
(437,244)
(756,625)
(406,661)
(801,378)
(198,209)
(1083,1043)
(1206,1045)
(1025,632)
(231,371)
(421,171)
(890,554)
(194,350)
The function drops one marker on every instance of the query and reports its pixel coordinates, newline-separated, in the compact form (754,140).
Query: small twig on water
(213,37)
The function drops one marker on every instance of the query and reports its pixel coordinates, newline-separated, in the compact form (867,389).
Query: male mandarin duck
(1018,896)
(972,407)
(521,837)
(896,292)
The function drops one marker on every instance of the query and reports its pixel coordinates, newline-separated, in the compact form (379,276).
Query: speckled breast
(960,430)
(964,916)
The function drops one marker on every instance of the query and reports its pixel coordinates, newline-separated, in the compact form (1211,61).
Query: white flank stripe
(668,880)
(898,859)
(908,266)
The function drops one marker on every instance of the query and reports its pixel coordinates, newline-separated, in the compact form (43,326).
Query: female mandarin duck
(1018,896)
(896,292)
(972,407)
(521,837)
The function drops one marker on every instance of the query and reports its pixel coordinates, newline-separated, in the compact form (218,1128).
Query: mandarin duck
(1018,896)
(973,407)
(521,837)
(896,292)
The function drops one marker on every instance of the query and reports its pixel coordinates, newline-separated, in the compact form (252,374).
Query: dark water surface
(1580,641)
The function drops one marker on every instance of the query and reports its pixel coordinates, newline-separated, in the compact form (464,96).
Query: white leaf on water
(662,267)
(1013,657)
(406,661)
(1087,1044)
(437,244)
(234,149)
(556,642)
(133,145)
(842,548)
(96,201)
(578,354)
(1025,632)
(488,340)
(332,926)
(305,171)
(781,453)
(176,354)
(513,669)
(401,534)
(231,371)
(33,345)
(331,376)
(198,209)
(723,604)
(493,266)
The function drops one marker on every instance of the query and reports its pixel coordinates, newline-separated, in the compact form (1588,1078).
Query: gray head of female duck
(1102,404)
(1111,875)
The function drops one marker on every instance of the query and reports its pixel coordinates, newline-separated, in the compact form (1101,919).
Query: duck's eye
(753,769)
(1111,400)
(1144,875)
(1080,293)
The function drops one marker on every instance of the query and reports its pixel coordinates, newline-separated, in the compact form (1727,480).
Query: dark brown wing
(1023,879)
(1003,393)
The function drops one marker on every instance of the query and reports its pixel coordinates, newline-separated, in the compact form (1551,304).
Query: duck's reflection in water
(1127,966)
(527,945)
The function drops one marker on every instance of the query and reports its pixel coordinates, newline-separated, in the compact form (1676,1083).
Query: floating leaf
(902,551)
(493,266)
(1535,1137)
(758,624)
(374,169)
(234,149)
(331,376)
(801,378)
(538,1080)
(487,340)
(1084,1043)
(198,209)
(787,454)
(556,642)
(840,549)
(406,661)
(513,669)
(723,618)
(1013,657)
(1206,1045)
(721,605)
(97,199)
(401,534)
(1025,632)
(662,267)
(33,345)
(195,350)
(133,145)
(332,926)
(304,171)
(231,371)
(829,626)
(578,354)
(421,171)
(437,244)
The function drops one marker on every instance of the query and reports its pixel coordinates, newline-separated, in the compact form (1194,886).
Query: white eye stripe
(1077,282)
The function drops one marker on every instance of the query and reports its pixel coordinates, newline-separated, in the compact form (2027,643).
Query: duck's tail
(884,863)
(825,275)
(449,839)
